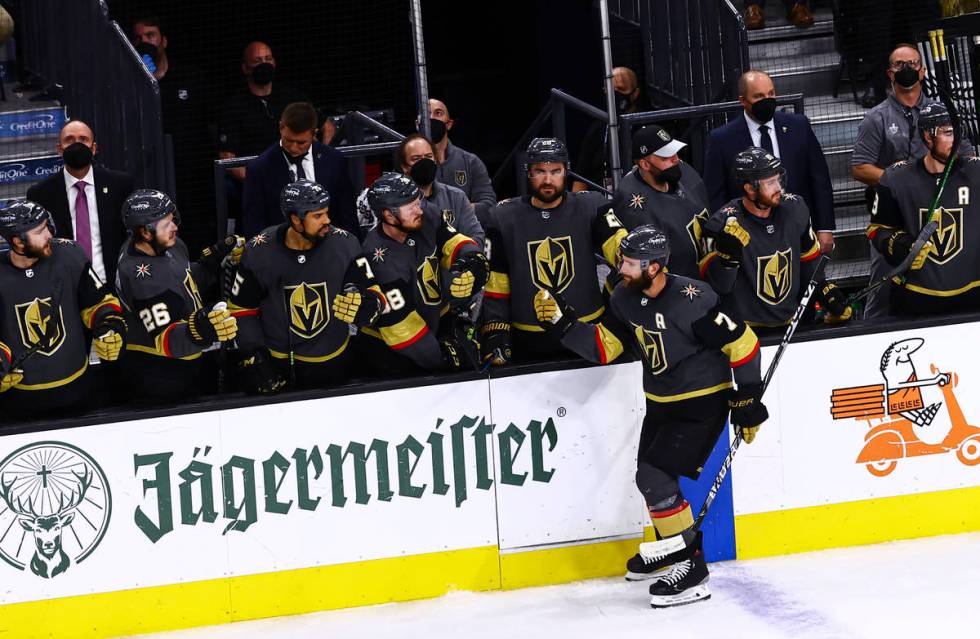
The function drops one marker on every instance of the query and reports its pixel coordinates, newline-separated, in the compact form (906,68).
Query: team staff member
(299,285)
(689,349)
(160,289)
(456,166)
(412,251)
(945,274)
(663,191)
(545,240)
(49,296)
(765,248)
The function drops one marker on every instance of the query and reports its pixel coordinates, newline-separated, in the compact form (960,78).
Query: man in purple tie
(85,200)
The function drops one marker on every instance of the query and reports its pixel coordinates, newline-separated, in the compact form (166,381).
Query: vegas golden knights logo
(947,241)
(428,281)
(40,324)
(552,263)
(191,287)
(309,308)
(775,276)
(652,343)
(695,231)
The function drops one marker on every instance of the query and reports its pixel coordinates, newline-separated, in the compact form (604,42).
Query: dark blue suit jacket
(269,173)
(806,168)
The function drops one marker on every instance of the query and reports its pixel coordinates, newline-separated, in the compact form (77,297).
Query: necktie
(83,225)
(298,163)
(765,139)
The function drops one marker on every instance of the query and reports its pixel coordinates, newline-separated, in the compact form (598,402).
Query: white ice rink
(925,589)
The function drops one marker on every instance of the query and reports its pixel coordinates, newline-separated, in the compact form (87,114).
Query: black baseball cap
(655,140)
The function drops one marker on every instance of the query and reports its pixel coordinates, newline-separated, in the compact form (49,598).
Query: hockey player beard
(38,252)
(548,193)
(638,284)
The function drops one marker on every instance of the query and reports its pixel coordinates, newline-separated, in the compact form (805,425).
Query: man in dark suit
(86,200)
(789,137)
(296,156)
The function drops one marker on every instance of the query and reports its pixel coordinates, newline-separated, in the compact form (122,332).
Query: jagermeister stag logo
(308,308)
(947,240)
(39,323)
(552,262)
(774,276)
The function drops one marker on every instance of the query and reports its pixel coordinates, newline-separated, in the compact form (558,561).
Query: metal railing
(76,48)
(354,130)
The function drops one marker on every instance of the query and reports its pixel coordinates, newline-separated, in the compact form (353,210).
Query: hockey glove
(8,378)
(920,258)
(109,337)
(202,331)
(469,275)
(232,246)
(259,374)
(224,323)
(495,343)
(730,242)
(553,313)
(898,246)
(835,303)
(354,308)
(748,411)
(460,355)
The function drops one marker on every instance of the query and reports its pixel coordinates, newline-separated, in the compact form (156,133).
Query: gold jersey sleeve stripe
(451,248)
(609,345)
(312,359)
(55,384)
(498,285)
(88,314)
(611,246)
(874,229)
(404,333)
(6,352)
(743,349)
(812,253)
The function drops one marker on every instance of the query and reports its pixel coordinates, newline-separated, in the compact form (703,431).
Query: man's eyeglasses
(912,64)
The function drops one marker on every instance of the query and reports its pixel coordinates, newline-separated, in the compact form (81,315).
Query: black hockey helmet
(932,116)
(20,217)
(546,150)
(145,207)
(648,244)
(391,191)
(754,164)
(302,197)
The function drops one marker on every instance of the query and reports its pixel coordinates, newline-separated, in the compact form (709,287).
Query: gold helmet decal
(552,262)
(41,324)
(428,280)
(775,276)
(191,287)
(309,310)
(947,241)
(652,344)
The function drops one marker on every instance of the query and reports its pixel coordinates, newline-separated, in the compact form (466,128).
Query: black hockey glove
(748,411)
(835,303)
(730,242)
(495,343)
(212,256)
(553,312)
(259,374)
(468,276)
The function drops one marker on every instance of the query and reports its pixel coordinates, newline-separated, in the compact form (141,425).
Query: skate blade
(689,596)
(646,576)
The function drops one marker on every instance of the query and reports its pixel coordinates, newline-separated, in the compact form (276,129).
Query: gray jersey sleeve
(867,148)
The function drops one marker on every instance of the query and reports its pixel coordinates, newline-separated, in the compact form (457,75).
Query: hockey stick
(676,543)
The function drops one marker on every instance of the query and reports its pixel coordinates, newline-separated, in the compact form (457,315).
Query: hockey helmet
(391,191)
(302,197)
(648,244)
(19,218)
(145,207)
(754,164)
(546,150)
(932,116)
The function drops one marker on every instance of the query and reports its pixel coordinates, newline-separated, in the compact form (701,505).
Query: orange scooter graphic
(925,422)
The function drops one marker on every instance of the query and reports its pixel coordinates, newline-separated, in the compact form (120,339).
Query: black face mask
(264,73)
(623,103)
(906,77)
(764,109)
(77,156)
(147,49)
(670,176)
(438,128)
(424,172)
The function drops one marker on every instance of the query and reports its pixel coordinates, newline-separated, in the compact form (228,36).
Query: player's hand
(259,375)
(495,343)
(732,239)
(469,275)
(920,258)
(553,312)
(232,246)
(354,308)
(109,337)
(11,379)
(748,411)
(835,303)
(224,323)
(826,241)
(460,355)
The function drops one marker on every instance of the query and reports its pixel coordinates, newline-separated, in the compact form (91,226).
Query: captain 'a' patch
(41,324)
(774,276)
(309,308)
(652,343)
(947,240)
(552,262)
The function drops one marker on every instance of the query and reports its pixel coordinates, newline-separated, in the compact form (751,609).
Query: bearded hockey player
(160,289)
(299,287)
(945,274)
(412,251)
(689,349)
(545,240)
(765,250)
(49,296)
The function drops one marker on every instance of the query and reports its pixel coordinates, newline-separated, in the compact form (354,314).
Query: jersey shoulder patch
(791,197)
(259,240)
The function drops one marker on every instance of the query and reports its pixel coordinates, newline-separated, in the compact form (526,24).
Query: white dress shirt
(307,164)
(756,135)
(93,216)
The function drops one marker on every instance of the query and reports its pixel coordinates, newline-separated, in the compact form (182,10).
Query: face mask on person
(763,110)
(264,73)
(622,103)
(670,176)
(423,172)
(77,155)
(149,54)
(438,128)
(906,77)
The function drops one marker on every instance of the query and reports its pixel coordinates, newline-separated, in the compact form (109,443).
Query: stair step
(837,134)
(761,54)
(838,161)
(851,220)
(826,109)
(849,272)
(778,28)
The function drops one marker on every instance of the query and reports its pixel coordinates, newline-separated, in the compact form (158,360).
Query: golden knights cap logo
(775,276)
(309,310)
(947,240)
(428,281)
(652,343)
(55,506)
(552,263)
(40,324)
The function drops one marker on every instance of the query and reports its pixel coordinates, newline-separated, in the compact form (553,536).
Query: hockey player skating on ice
(689,349)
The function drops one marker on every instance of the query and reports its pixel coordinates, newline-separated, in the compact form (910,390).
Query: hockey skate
(654,559)
(686,582)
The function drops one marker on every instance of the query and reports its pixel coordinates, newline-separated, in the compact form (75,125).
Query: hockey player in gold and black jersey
(413,250)
(546,240)
(50,297)
(945,274)
(299,287)
(689,348)
(160,289)
(765,250)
